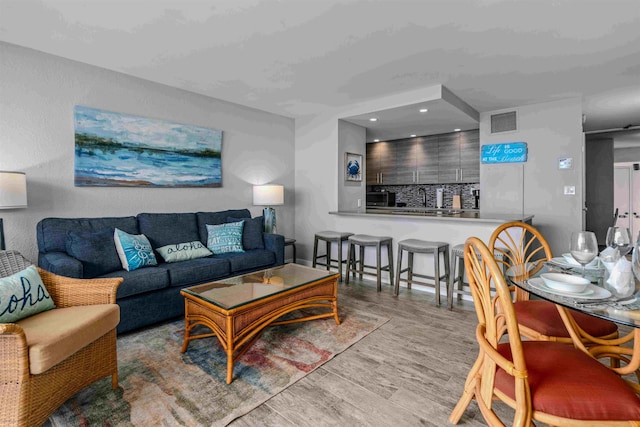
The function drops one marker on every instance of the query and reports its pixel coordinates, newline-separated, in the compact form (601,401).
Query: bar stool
(364,240)
(416,246)
(457,265)
(330,237)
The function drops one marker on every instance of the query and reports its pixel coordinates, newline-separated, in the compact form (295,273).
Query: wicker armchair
(28,398)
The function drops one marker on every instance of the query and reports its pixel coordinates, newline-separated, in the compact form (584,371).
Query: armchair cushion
(96,250)
(22,295)
(55,335)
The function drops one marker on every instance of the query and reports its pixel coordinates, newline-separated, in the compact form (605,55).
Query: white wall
(552,131)
(37,95)
(351,139)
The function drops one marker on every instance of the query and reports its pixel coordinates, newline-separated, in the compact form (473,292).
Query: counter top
(470,215)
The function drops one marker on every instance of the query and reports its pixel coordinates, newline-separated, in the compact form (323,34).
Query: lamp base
(269,220)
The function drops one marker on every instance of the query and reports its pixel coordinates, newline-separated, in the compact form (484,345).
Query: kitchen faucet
(424,196)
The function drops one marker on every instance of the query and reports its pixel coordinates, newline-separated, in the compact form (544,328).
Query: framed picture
(352,167)
(115,149)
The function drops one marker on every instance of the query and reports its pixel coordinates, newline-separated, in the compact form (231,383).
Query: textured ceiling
(299,57)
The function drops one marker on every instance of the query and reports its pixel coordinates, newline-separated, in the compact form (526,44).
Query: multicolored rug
(161,386)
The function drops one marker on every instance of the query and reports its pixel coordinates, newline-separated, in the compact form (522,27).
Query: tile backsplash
(411,195)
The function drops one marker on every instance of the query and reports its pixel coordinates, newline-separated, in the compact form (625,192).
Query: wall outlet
(569,190)
(359,203)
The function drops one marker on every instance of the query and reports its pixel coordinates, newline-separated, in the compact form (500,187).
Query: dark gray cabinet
(459,157)
(436,159)
(381,163)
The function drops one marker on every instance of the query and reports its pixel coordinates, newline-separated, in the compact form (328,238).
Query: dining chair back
(521,245)
(542,381)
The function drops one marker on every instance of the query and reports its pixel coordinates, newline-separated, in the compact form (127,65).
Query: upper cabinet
(436,159)
(459,157)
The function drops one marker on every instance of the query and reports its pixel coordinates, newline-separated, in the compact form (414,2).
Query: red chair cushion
(543,317)
(567,383)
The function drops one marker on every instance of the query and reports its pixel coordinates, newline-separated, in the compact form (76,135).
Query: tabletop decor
(161,386)
(268,196)
(115,149)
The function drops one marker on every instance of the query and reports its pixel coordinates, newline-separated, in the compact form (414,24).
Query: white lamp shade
(13,190)
(268,195)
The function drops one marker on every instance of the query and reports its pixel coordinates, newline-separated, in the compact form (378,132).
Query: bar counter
(432,214)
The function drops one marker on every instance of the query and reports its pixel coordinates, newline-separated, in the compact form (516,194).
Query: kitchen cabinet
(381,163)
(416,161)
(427,163)
(459,157)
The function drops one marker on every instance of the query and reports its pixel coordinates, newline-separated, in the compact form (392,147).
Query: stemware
(635,258)
(584,247)
(620,238)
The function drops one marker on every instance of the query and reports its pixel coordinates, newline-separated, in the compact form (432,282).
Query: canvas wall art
(114,149)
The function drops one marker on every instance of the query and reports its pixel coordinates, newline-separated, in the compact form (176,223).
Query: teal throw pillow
(22,295)
(183,251)
(225,238)
(134,251)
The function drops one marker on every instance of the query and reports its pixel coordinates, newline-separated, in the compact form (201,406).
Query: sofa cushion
(187,273)
(225,238)
(213,218)
(251,233)
(183,251)
(164,229)
(249,260)
(141,280)
(22,295)
(55,335)
(134,250)
(52,232)
(96,250)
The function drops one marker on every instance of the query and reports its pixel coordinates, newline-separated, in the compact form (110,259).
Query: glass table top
(240,290)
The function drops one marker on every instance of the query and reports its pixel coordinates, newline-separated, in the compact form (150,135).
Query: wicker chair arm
(14,354)
(68,292)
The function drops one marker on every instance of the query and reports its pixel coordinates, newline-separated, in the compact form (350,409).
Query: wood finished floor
(409,372)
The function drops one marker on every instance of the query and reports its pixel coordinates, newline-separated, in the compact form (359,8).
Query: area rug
(161,386)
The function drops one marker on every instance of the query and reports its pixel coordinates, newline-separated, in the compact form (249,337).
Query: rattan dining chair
(77,340)
(542,381)
(519,245)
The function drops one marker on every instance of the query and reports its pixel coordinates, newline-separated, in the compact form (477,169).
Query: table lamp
(268,195)
(13,195)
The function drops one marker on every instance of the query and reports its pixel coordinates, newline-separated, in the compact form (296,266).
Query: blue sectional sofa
(84,248)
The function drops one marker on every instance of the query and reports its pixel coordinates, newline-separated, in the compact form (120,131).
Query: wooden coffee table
(238,309)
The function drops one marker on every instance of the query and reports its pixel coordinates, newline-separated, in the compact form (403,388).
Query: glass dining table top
(596,300)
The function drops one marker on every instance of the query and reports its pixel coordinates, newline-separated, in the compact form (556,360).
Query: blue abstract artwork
(114,149)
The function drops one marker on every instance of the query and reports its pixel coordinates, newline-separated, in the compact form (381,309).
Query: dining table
(599,301)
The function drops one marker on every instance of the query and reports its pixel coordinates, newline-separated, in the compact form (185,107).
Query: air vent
(503,122)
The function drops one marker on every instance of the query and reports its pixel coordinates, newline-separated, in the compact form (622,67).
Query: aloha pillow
(134,250)
(183,251)
(22,295)
(225,238)
(95,250)
(252,232)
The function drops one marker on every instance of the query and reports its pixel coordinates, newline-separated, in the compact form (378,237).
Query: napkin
(621,280)
(609,256)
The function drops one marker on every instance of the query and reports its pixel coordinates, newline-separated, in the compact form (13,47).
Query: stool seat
(367,240)
(421,246)
(333,235)
(418,246)
(358,266)
(329,237)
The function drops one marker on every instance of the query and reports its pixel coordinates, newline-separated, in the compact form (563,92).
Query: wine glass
(619,237)
(584,247)
(635,258)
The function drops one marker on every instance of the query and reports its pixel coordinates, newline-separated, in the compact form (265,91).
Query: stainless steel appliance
(381,198)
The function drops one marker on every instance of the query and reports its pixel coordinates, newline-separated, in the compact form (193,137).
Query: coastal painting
(114,149)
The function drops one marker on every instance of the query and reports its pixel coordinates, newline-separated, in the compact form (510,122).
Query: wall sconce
(268,195)
(13,195)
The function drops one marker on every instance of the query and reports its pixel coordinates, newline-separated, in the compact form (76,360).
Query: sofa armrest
(69,291)
(275,244)
(60,263)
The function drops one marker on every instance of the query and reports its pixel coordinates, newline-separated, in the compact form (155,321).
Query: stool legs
(396,287)
(315,251)
(358,265)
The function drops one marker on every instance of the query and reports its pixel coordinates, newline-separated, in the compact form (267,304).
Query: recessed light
(423,110)
(373,119)
(457,130)
(376,140)
(413,135)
